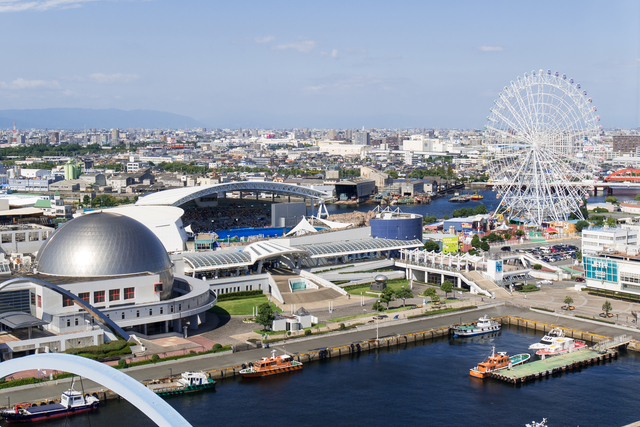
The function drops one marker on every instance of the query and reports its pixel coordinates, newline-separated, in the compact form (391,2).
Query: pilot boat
(187,383)
(271,366)
(484,325)
(71,402)
(496,362)
(555,343)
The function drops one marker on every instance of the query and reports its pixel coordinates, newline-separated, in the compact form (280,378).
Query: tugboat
(271,366)
(71,402)
(484,325)
(496,362)
(187,383)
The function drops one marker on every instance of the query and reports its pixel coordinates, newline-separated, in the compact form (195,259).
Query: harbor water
(423,384)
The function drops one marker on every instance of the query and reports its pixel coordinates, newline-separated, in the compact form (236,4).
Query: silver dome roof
(102,244)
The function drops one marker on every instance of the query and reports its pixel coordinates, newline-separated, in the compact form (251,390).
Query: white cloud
(39,5)
(491,48)
(265,39)
(343,83)
(21,83)
(113,78)
(334,53)
(302,46)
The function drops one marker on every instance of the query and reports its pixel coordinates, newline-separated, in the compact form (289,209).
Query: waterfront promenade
(386,328)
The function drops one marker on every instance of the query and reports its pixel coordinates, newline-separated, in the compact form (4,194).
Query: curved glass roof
(358,246)
(212,260)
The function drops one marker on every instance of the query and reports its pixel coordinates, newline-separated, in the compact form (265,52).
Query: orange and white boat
(271,366)
(496,362)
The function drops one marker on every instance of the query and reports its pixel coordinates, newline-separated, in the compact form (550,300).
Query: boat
(460,198)
(71,402)
(484,325)
(496,362)
(188,382)
(271,366)
(547,339)
(477,196)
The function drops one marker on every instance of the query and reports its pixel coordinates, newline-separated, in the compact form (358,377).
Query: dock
(553,365)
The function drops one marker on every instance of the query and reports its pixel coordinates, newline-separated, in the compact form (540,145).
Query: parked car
(506,248)
(544,282)
(580,279)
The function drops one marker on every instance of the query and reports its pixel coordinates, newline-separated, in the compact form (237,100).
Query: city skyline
(328,65)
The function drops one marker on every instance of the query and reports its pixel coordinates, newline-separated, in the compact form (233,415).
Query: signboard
(467,225)
(450,245)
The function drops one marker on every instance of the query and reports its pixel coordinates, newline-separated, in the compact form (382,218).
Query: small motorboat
(484,325)
(496,362)
(188,382)
(71,402)
(271,366)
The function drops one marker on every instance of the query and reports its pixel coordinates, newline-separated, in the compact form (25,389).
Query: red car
(580,279)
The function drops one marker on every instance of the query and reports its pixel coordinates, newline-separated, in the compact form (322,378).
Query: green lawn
(357,290)
(260,331)
(240,306)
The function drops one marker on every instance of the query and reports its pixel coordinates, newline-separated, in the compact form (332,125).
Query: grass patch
(614,294)
(363,288)
(529,288)
(110,349)
(368,271)
(262,332)
(442,311)
(242,306)
(333,269)
(183,356)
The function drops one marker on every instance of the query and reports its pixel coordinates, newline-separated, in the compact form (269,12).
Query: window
(67,301)
(76,321)
(33,236)
(7,238)
(33,298)
(39,301)
(68,323)
(129,293)
(114,294)
(123,315)
(84,296)
(157,287)
(20,237)
(179,307)
(161,310)
(98,296)
(171,308)
(151,312)
(137,313)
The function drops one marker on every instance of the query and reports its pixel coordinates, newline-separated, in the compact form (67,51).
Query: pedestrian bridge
(149,403)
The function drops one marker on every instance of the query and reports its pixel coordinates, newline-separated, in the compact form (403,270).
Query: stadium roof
(359,246)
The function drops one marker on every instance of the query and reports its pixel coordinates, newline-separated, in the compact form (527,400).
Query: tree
(377,306)
(430,246)
(485,246)
(392,173)
(104,200)
(637,197)
(507,236)
(475,241)
(387,296)
(519,233)
(430,292)
(265,315)
(568,300)
(403,293)
(537,267)
(581,224)
(611,222)
(606,307)
(579,256)
(480,210)
(86,200)
(446,217)
(446,287)
(611,199)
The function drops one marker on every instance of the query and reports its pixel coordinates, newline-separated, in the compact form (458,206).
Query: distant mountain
(79,118)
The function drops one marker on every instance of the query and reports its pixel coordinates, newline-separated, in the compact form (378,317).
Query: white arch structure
(134,392)
(96,314)
(180,196)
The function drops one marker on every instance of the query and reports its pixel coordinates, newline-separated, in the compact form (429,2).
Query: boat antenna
(82,386)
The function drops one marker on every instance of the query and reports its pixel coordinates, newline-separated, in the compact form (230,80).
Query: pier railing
(618,341)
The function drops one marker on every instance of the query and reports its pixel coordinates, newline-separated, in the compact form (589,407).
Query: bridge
(624,175)
(149,403)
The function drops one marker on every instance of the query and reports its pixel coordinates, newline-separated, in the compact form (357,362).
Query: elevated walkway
(485,283)
(281,276)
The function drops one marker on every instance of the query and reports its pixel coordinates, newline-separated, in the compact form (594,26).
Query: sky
(315,64)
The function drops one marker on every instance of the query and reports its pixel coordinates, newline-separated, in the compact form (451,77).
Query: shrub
(537,267)
(342,326)
(307,331)
(155,358)
(122,363)
(216,347)
(239,295)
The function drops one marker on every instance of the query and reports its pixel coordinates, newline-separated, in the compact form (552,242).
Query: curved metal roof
(180,196)
(102,244)
(322,250)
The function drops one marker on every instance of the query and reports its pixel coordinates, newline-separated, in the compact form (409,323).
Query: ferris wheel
(544,147)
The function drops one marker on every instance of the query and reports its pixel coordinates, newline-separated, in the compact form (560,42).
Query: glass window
(76,321)
(33,298)
(39,301)
(7,238)
(114,294)
(129,293)
(84,296)
(68,323)
(33,236)
(20,237)
(98,296)
(67,301)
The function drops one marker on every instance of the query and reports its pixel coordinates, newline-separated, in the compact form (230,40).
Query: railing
(275,291)
(320,280)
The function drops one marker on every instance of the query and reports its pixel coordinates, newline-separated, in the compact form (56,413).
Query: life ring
(244,366)
(251,364)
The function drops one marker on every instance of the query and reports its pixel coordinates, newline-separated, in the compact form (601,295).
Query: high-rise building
(626,143)
(115,136)
(361,138)
(55,137)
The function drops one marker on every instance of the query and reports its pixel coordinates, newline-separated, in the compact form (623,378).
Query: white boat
(547,340)
(484,325)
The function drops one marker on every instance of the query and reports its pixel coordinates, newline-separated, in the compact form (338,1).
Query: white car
(544,282)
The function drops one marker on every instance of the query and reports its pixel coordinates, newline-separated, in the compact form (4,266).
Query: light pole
(377,321)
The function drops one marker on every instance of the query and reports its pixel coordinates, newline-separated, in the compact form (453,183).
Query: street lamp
(378,321)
